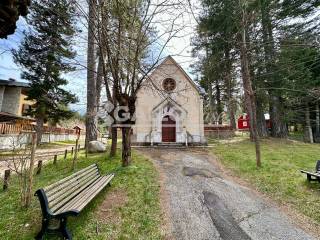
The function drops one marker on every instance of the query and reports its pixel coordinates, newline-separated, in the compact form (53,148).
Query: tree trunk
(39,129)
(114,139)
(231,110)
(99,82)
(317,120)
(308,136)
(261,121)
(247,84)
(211,118)
(219,104)
(126,146)
(28,196)
(279,128)
(91,129)
(229,85)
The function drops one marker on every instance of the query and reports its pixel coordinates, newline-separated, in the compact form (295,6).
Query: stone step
(170,145)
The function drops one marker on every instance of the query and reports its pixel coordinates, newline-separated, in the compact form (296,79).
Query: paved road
(44,154)
(204,205)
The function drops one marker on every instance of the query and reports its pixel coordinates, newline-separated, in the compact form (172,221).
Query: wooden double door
(168,129)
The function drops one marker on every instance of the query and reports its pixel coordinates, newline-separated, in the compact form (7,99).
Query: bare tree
(131,48)
(21,162)
(246,78)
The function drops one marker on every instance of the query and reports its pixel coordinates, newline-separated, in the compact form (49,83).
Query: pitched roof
(182,70)
(8,117)
(13,83)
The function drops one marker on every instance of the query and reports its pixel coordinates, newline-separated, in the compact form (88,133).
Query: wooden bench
(313,176)
(68,197)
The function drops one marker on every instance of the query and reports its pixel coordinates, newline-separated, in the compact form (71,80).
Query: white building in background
(169,108)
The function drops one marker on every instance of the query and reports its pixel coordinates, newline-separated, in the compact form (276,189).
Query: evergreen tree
(302,78)
(45,54)
(216,37)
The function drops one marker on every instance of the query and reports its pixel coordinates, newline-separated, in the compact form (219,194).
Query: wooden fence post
(75,155)
(65,154)
(39,167)
(6,179)
(55,159)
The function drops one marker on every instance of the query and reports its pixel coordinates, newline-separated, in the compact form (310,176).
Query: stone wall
(219,134)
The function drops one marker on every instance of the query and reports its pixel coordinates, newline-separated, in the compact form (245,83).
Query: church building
(169,108)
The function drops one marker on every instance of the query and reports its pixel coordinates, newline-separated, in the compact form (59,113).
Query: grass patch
(140,216)
(297,136)
(56,144)
(280,176)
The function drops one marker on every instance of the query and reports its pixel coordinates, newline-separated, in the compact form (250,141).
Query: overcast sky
(179,48)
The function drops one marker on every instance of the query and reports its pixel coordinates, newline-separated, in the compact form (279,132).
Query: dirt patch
(107,211)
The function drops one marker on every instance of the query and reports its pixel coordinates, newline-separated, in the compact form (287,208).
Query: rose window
(169,84)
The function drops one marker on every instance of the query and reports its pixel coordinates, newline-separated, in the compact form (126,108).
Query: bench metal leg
(44,227)
(63,228)
(309,177)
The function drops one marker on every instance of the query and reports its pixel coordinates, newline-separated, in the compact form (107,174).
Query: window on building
(26,108)
(169,84)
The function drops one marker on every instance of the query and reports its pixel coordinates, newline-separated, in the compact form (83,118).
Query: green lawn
(280,176)
(56,144)
(139,217)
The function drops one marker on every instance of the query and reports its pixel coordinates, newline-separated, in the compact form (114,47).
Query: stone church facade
(169,108)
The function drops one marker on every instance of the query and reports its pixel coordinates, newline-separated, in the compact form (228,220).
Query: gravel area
(202,204)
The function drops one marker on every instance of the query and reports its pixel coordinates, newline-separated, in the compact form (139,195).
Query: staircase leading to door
(170,145)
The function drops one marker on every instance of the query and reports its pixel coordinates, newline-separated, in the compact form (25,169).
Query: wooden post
(78,147)
(30,179)
(6,179)
(39,166)
(65,154)
(55,159)
(72,151)
(75,155)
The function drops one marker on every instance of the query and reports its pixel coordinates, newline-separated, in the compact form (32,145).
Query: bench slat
(311,173)
(79,197)
(87,195)
(75,193)
(48,188)
(79,207)
(60,187)
(77,188)
(92,192)
(76,183)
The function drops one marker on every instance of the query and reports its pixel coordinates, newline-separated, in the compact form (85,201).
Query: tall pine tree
(45,54)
